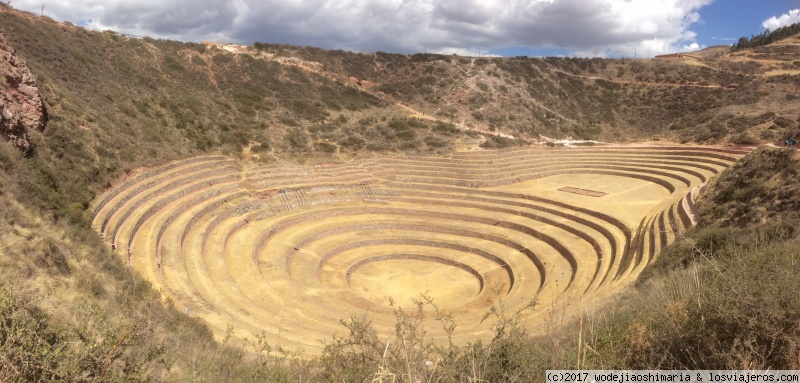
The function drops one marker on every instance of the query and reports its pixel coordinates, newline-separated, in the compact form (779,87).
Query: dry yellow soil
(290,250)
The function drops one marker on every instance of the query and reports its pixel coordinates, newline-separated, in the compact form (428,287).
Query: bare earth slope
(745,97)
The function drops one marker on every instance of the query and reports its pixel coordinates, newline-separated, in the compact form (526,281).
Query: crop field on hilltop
(290,250)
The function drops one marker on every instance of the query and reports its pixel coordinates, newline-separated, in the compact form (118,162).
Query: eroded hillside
(741,98)
(118,102)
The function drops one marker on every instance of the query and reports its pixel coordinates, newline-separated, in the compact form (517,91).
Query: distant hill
(710,52)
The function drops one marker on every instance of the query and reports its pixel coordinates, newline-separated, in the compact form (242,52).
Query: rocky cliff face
(21,106)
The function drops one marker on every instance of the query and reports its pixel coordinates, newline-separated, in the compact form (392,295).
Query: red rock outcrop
(21,106)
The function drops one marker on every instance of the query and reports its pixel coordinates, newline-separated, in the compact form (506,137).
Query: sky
(581,28)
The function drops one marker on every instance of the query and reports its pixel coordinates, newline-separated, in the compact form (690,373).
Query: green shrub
(759,187)
(743,139)
(173,65)
(36,348)
(260,148)
(353,142)
(296,138)
(324,147)
(497,142)
(435,142)
(445,128)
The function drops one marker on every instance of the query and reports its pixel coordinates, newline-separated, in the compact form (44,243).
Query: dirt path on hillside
(347,81)
(420,115)
(211,77)
(674,85)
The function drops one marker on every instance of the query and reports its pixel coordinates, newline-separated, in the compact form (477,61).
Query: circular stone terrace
(290,250)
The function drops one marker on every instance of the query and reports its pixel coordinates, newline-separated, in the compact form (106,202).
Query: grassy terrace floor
(290,250)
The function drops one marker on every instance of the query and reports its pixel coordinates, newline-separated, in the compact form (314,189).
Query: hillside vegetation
(71,311)
(767,37)
(117,102)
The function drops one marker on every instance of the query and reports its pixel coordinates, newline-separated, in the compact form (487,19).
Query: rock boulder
(21,106)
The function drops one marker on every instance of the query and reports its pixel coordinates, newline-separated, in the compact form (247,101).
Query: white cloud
(618,27)
(783,20)
(179,19)
(691,47)
(466,52)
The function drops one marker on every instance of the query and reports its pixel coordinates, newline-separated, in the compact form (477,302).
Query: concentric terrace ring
(289,251)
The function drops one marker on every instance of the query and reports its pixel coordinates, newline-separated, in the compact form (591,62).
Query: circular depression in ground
(289,251)
(405,277)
